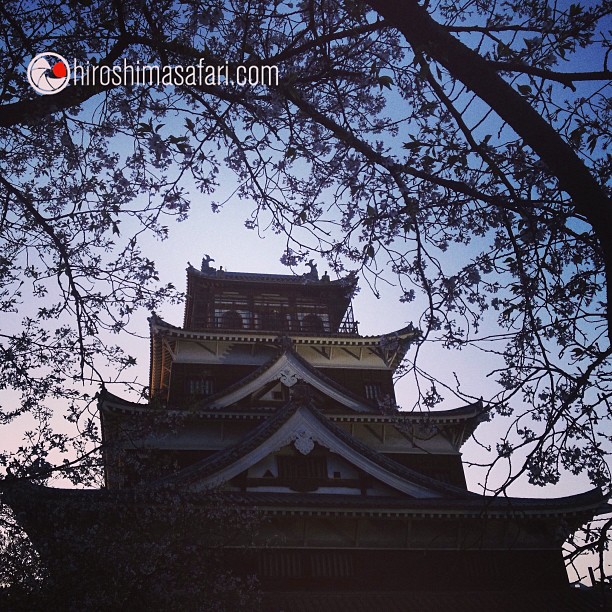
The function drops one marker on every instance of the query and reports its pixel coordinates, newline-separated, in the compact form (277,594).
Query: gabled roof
(289,368)
(298,422)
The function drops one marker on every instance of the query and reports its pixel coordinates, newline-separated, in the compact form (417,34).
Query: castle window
(331,564)
(280,564)
(372,390)
(201,386)
(313,323)
(302,468)
(273,320)
(231,320)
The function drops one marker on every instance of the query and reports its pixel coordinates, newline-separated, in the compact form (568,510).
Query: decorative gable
(288,369)
(301,428)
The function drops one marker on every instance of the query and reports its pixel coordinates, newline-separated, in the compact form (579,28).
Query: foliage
(171,553)
(461,146)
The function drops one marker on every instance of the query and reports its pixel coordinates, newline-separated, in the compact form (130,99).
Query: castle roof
(300,423)
(34,502)
(348,282)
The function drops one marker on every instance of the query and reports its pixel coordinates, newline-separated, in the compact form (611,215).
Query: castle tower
(270,396)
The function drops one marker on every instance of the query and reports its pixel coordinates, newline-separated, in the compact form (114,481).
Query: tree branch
(476,73)
(565,78)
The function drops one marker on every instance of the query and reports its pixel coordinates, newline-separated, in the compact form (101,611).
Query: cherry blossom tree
(459,148)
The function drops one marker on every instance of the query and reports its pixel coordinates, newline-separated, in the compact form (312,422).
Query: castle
(270,396)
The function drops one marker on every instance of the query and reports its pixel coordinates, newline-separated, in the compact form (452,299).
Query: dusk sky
(518,200)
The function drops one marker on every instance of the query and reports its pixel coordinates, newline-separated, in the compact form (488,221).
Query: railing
(348,324)
(281,321)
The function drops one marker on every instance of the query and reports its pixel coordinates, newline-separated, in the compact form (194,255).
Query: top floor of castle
(221,300)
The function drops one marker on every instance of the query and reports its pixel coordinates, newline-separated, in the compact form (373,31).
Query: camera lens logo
(48,73)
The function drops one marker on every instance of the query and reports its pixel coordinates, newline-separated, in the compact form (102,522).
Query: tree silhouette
(461,148)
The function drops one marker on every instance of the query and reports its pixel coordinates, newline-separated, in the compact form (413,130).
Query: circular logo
(48,73)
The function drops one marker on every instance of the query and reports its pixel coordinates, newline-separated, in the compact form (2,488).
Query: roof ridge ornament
(302,394)
(313,274)
(206,268)
(302,440)
(286,343)
(288,377)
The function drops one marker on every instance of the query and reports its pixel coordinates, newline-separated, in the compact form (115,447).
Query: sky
(224,237)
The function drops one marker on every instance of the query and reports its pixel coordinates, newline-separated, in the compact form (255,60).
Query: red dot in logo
(59,70)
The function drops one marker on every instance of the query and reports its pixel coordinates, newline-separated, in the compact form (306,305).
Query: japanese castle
(268,395)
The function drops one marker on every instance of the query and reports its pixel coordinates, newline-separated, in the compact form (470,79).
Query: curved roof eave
(346,282)
(299,420)
(406,334)
(29,498)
